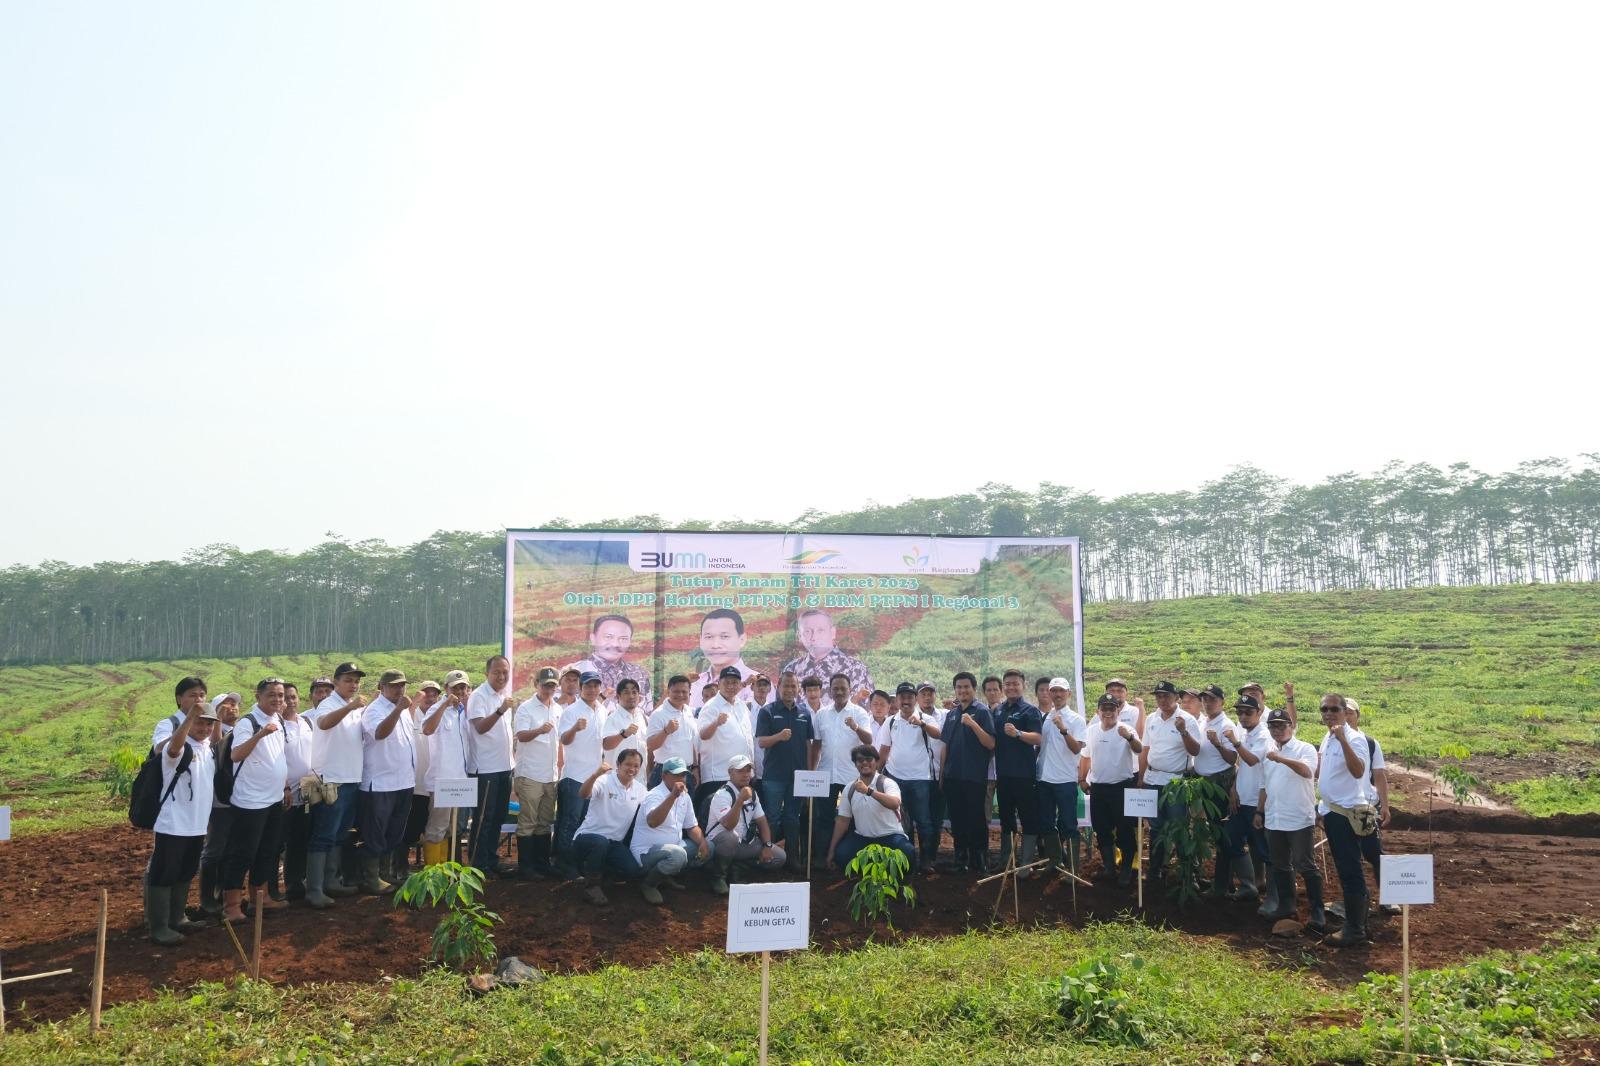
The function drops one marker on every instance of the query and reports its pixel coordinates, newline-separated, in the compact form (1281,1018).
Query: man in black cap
(1113,749)
(908,757)
(1171,741)
(726,730)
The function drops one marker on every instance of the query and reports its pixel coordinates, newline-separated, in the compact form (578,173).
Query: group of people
(333,799)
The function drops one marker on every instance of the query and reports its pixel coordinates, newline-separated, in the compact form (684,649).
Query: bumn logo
(916,558)
(672,560)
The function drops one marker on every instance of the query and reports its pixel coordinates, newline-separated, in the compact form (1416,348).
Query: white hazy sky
(272,269)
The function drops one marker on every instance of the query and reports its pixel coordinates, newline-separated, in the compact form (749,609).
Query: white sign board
(769,917)
(462,793)
(1404,879)
(808,783)
(5,823)
(1139,803)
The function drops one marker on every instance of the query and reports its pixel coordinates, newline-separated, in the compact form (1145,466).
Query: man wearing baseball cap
(665,817)
(738,831)
(389,773)
(1286,810)
(537,776)
(187,769)
(1171,739)
(449,759)
(336,757)
(1063,738)
(225,709)
(581,726)
(1114,750)
(906,755)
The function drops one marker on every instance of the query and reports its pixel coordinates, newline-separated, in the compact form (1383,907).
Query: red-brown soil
(1504,881)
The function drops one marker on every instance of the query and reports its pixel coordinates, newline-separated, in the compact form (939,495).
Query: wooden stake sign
(1139,803)
(1405,881)
(809,785)
(768,918)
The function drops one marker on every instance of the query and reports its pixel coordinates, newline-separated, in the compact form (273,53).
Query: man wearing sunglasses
(1286,811)
(1342,782)
(869,813)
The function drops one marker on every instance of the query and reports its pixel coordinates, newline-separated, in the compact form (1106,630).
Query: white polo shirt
(1291,799)
(188,809)
(684,742)
(617,721)
(611,807)
(297,750)
(1257,742)
(869,817)
(1334,780)
(391,763)
(583,754)
(536,758)
(1210,760)
(670,831)
(1168,757)
(836,729)
(421,748)
(491,751)
(911,754)
(733,737)
(1111,759)
(336,753)
(449,748)
(259,779)
(722,803)
(1058,765)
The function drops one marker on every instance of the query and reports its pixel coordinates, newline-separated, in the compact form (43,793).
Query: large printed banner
(879,609)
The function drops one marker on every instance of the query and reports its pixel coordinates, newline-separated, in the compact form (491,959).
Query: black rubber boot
(541,856)
(210,884)
(1355,924)
(157,916)
(1284,895)
(525,870)
(1108,865)
(1221,876)
(179,920)
(1318,922)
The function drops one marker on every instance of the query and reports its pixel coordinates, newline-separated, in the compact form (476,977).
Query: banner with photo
(879,609)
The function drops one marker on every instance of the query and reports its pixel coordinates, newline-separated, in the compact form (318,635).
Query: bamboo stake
(1138,864)
(1405,970)
(96,992)
(1007,871)
(34,976)
(766,975)
(243,961)
(811,831)
(255,948)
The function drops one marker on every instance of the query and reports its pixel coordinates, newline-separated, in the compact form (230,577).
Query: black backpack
(222,777)
(147,797)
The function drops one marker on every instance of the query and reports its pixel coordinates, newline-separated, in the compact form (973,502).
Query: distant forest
(1245,533)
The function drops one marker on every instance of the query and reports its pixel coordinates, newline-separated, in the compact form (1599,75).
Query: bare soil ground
(1504,881)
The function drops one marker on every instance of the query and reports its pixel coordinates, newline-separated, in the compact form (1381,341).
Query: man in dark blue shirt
(969,739)
(784,735)
(1016,758)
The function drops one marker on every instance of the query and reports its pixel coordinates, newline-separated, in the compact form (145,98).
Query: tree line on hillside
(1245,533)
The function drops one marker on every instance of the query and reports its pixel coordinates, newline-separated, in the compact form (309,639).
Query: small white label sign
(1405,879)
(5,823)
(1085,819)
(769,917)
(1139,803)
(462,793)
(808,783)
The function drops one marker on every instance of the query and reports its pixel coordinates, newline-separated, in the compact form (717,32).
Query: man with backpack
(869,813)
(226,709)
(254,772)
(172,797)
(736,826)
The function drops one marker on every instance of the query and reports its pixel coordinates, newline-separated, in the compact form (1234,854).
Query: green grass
(975,998)
(59,725)
(1510,672)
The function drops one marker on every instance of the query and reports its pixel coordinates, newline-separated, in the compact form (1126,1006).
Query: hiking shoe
(652,894)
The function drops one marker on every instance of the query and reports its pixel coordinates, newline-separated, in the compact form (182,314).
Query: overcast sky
(268,270)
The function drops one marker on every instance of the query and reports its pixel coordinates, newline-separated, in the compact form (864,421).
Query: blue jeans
(1175,809)
(853,842)
(570,811)
(1058,808)
(916,812)
(1242,832)
(494,803)
(670,859)
(593,853)
(330,823)
(783,813)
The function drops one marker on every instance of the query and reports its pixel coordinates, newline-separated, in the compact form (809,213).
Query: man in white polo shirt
(905,750)
(449,759)
(839,727)
(738,828)
(613,798)
(1114,749)
(670,732)
(1215,762)
(1061,748)
(665,817)
(389,774)
(1286,810)
(581,726)
(1342,782)
(537,777)
(625,726)
(1171,740)
(868,813)
(260,790)
(726,730)
(336,757)
(489,725)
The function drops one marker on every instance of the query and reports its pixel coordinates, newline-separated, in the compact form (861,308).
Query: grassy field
(978,998)
(1511,674)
